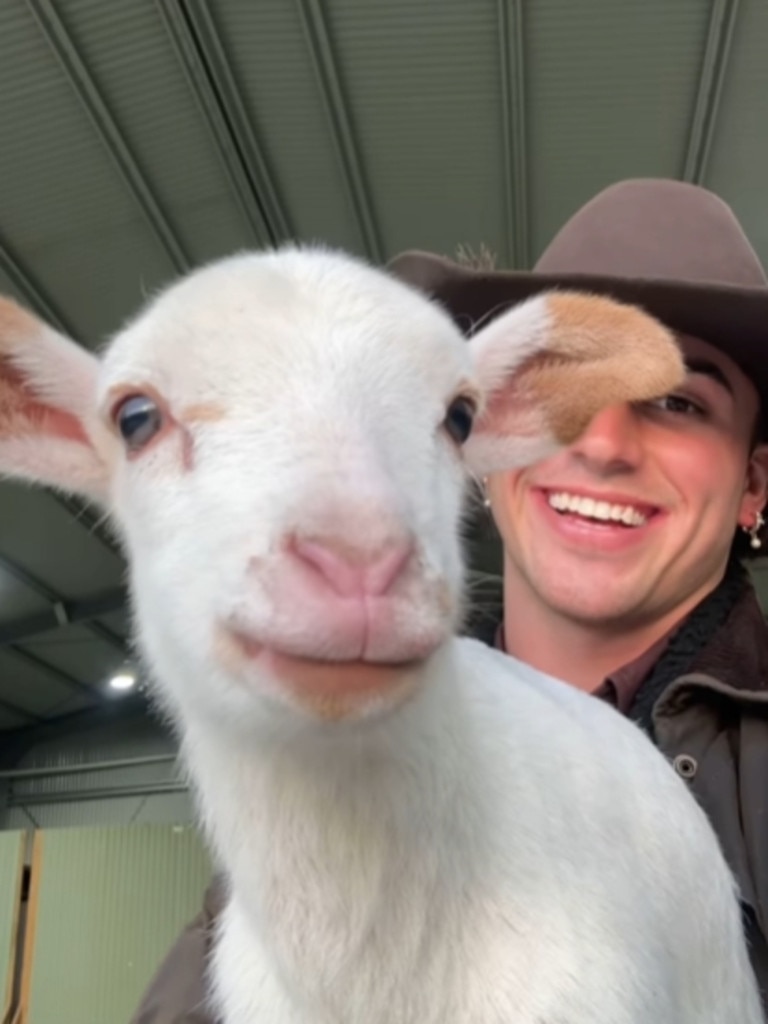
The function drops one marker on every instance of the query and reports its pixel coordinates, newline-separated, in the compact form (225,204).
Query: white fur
(480,845)
(535,323)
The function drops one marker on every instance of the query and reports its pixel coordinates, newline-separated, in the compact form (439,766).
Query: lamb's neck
(345,817)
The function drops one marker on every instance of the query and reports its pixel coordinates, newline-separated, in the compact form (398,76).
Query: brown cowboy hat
(674,249)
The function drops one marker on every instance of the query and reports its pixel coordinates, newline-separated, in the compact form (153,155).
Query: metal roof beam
(61,613)
(337,110)
(62,45)
(105,634)
(714,67)
(512,67)
(14,709)
(29,291)
(54,673)
(201,55)
(28,627)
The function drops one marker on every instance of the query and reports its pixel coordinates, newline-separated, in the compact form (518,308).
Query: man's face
(637,517)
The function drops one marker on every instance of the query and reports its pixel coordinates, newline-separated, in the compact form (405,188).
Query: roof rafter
(201,55)
(19,631)
(54,673)
(60,608)
(28,289)
(714,67)
(62,45)
(19,712)
(513,109)
(339,119)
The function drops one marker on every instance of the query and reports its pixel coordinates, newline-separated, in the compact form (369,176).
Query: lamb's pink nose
(351,571)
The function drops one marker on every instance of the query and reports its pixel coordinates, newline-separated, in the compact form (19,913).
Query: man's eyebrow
(709,369)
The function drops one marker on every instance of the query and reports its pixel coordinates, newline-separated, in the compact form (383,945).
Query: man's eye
(678,404)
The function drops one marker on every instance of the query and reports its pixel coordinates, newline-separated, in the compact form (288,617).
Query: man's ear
(549,365)
(755,495)
(48,426)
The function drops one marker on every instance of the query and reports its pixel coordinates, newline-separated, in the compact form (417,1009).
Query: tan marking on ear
(602,353)
(202,412)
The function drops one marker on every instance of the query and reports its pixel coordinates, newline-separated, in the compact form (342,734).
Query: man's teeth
(591,509)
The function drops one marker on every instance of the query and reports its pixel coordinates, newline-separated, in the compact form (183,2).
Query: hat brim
(733,319)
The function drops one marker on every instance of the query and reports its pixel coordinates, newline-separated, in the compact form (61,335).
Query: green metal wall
(109,903)
(11,861)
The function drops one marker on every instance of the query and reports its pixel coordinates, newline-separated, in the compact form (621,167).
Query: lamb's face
(290,484)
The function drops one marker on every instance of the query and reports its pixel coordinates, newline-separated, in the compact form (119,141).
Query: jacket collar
(733,665)
(737,655)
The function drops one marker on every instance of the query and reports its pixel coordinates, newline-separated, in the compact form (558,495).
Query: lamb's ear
(546,367)
(48,431)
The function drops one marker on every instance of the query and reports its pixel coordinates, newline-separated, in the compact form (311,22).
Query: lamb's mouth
(331,687)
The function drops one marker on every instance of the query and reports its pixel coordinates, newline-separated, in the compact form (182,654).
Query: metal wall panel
(109,903)
(165,809)
(11,863)
(139,740)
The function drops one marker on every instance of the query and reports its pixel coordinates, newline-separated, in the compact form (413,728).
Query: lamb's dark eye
(459,419)
(138,419)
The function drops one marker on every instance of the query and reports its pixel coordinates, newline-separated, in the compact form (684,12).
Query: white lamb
(416,829)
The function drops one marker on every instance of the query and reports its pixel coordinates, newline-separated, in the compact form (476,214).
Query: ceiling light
(123,681)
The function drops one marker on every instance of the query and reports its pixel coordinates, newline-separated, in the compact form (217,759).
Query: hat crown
(657,230)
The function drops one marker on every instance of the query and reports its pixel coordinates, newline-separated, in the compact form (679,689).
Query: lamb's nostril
(351,570)
(385,570)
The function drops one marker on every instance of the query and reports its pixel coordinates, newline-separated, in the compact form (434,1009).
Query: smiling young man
(621,567)
(609,545)
(622,554)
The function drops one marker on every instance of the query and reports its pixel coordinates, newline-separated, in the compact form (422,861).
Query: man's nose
(612,442)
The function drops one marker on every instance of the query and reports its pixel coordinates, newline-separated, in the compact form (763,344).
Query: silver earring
(753,532)
(486,499)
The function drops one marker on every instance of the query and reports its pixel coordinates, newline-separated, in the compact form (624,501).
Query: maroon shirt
(621,686)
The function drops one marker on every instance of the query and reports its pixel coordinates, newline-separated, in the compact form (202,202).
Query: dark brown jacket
(712,724)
